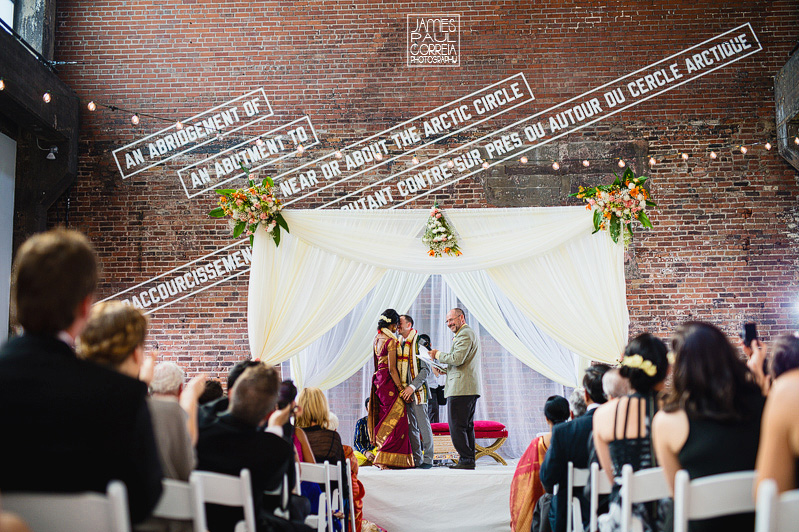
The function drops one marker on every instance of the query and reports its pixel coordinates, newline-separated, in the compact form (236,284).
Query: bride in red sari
(388,422)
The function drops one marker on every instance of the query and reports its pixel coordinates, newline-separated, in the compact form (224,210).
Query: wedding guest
(569,443)
(69,424)
(577,404)
(314,419)
(710,422)
(212,392)
(622,426)
(778,453)
(614,384)
(363,449)
(784,354)
(526,488)
(388,420)
(216,407)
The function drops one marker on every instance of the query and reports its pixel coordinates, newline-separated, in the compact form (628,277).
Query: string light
(744,150)
(91,106)
(259,142)
(179,125)
(622,164)
(485,164)
(450,164)
(46,97)
(134,120)
(796,140)
(586,163)
(523,160)
(713,155)
(379,156)
(2,85)
(415,160)
(767,145)
(684,156)
(300,149)
(555,166)
(338,154)
(652,161)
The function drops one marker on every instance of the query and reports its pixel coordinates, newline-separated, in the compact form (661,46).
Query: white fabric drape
(567,281)
(346,347)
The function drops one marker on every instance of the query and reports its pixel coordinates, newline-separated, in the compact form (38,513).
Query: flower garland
(250,206)
(438,235)
(616,205)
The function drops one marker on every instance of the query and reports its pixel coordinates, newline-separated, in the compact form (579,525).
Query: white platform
(439,499)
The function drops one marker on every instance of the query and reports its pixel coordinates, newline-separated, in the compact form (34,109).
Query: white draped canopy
(551,293)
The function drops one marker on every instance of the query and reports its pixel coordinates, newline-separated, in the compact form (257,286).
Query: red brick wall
(723,248)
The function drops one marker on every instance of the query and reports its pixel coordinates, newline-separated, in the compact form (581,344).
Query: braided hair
(113,332)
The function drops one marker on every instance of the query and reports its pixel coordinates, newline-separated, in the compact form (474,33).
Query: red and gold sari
(526,487)
(388,422)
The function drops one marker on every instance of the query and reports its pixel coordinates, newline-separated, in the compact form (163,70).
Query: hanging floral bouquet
(618,204)
(438,235)
(250,206)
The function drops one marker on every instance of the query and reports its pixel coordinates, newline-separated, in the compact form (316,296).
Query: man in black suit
(233,441)
(569,443)
(69,425)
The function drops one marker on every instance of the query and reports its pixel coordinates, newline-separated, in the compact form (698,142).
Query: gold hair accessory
(637,362)
(670,357)
(383,318)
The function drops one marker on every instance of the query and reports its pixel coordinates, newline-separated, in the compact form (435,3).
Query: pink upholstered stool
(443,448)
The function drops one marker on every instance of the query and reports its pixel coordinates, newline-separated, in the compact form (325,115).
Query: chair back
(600,485)
(711,496)
(775,512)
(320,474)
(337,497)
(575,478)
(352,499)
(640,486)
(179,500)
(227,490)
(73,512)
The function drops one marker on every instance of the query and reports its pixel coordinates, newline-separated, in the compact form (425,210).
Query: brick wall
(724,245)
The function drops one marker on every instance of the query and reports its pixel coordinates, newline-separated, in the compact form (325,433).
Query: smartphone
(750,333)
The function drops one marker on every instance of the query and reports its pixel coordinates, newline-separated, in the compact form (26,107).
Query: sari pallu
(388,421)
(526,487)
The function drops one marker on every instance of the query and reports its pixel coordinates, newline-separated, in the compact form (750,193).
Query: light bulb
(338,154)
(684,156)
(555,166)
(46,97)
(415,160)
(300,149)
(134,120)
(796,140)
(485,164)
(586,163)
(450,164)
(622,164)
(767,145)
(744,150)
(379,156)
(523,160)
(179,125)
(2,84)
(259,142)
(713,155)
(91,106)
(652,161)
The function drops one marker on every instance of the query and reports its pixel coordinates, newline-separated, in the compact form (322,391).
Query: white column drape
(346,347)
(562,278)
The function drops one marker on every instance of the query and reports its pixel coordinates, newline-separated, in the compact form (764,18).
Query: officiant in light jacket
(463,386)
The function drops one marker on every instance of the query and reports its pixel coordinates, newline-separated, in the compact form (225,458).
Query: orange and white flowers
(618,204)
(438,235)
(251,206)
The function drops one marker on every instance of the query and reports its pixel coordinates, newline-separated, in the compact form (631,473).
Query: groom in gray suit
(463,386)
(414,378)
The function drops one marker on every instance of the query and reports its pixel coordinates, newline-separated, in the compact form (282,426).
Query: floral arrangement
(618,204)
(438,235)
(250,206)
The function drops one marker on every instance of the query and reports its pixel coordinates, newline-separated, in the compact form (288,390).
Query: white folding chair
(283,492)
(352,500)
(712,496)
(227,490)
(600,485)
(640,486)
(73,512)
(775,512)
(180,500)
(575,478)
(319,474)
(337,497)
